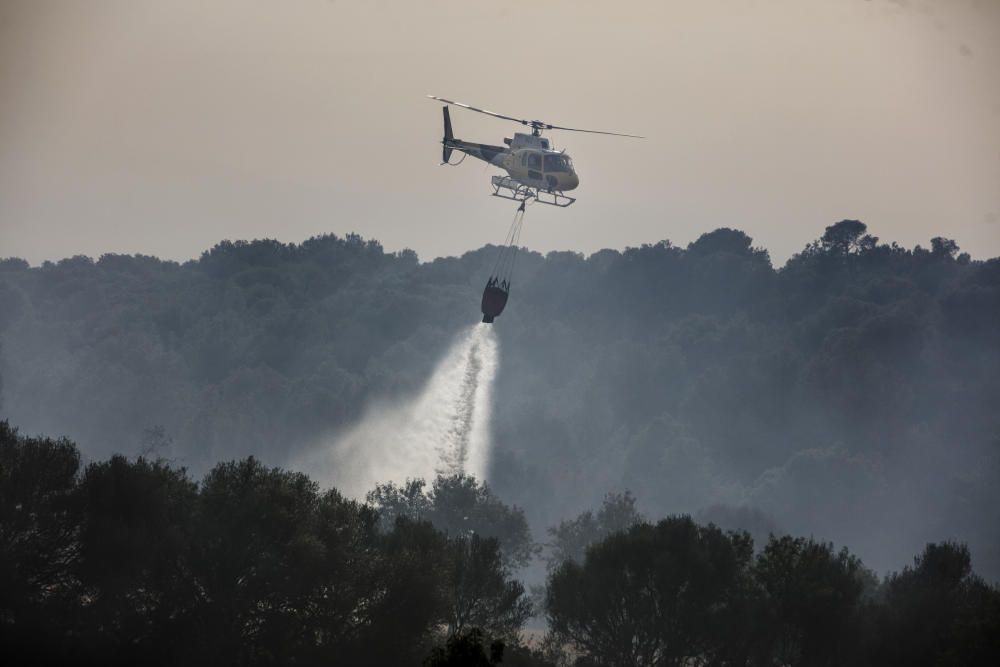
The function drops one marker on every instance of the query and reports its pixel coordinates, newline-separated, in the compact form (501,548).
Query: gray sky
(161,127)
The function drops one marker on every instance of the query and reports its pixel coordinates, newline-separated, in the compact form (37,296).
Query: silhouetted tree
(134,562)
(944,248)
(653,595)
(460,506)
(38,546)
(410,604)
(480,592)
(937,612)
(289,573)
(724,240)
(846,237)
(811,601)
(466,650)
(571,538)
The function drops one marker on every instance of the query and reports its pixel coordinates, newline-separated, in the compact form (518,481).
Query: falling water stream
(444,429)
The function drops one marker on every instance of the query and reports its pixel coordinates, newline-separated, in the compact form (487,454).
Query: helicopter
(534,169)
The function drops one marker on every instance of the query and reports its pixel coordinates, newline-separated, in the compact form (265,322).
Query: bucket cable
(503,267)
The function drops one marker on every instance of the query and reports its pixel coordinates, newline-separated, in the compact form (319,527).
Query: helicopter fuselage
(535,171)
(527,158)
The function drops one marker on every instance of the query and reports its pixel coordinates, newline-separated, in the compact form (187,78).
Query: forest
(850,394)
(130,561)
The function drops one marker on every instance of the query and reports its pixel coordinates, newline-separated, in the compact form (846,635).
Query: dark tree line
(130,561)
(677,593)
(850,393)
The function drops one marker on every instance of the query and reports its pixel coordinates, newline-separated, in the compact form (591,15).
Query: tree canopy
(130,561)
(859,379)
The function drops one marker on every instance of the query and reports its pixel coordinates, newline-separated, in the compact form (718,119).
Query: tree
(811,596)
(38,527)
(460,506)
(847,237)
(410,602)
(475,649)
(283,571)
(944,248)
(723,239)
(134,559)
(937,612)
(480,592)
(653,595)
(466,650)
(758,524)
(394,501)
(288,574)
(571,538)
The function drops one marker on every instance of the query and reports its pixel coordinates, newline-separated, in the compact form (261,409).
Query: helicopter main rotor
(536,125)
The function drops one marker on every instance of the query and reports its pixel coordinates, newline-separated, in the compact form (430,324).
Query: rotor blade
(472,108)
(536,124)
(574,129)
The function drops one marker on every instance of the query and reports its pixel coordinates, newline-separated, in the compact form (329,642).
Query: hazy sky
(163,126)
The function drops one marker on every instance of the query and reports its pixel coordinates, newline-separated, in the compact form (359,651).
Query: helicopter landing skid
(507,188)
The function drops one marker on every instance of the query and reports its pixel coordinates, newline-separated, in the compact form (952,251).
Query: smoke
(445,429)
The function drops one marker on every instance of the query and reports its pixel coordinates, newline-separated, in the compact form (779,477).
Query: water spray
(444,429)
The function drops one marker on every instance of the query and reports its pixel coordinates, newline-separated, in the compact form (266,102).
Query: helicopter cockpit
(547,162)
(558,163)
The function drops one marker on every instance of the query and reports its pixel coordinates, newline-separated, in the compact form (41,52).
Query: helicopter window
(556,163)
(534,160)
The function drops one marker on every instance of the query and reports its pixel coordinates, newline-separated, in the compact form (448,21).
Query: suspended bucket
(497,289)
(494,299)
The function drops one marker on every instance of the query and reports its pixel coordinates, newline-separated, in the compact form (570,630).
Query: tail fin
(448,136)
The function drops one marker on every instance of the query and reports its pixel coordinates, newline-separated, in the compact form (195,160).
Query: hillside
(850,394)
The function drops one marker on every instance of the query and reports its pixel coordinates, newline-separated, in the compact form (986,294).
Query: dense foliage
(458,505)
(676,593)
(849,394)
(129,561)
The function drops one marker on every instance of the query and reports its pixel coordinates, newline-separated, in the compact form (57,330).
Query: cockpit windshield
(558,163)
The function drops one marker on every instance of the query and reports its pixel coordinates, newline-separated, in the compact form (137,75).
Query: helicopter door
(535,165)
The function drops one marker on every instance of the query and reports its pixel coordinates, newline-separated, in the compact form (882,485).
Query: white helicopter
(535,170)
